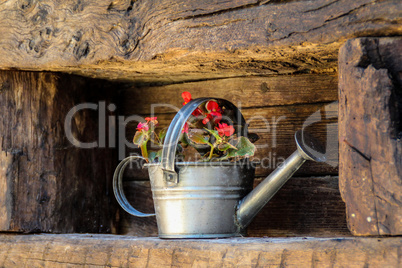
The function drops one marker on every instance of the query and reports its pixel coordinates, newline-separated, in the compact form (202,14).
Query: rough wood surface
(46,183)
(370,134)
(275,107)
(303,207)
(125,251)
(170,41)
(245,92)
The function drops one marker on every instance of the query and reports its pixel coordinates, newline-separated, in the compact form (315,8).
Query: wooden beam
(370,132)
(46,183)
(125,251)
(172,41)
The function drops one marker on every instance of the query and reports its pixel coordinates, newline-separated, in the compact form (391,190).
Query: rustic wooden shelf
(75,250)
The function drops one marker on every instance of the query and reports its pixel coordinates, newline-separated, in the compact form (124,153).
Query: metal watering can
(209,199)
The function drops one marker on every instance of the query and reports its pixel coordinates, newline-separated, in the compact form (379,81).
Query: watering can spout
(307,149)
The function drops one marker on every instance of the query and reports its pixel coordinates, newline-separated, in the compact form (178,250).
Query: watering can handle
(118,188)
(174,131)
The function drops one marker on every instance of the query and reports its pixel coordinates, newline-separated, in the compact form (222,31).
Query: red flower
(214,111)
(185,128)
(207,119)
(213,108)
(143,126)
(197,112)
(152,120)
(225,129)
(187,98)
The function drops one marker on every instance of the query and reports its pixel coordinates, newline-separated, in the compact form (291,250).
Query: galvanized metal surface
(118,188)
(203,203)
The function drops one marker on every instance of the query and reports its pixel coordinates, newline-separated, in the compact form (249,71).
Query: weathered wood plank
(276,126)
(47,184)
(170,41)
(245,92)
(125,251)
(303,207)
(370,134)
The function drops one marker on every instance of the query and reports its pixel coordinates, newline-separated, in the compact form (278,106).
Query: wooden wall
(48,184)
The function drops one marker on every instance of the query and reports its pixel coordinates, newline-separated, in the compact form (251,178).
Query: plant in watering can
(213,197)
(209,129)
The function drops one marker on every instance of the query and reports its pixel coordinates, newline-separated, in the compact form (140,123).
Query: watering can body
(204,201)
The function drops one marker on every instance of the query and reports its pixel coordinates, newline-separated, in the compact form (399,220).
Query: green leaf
(226,146)
(215,133)
(162,134)
(245,147)
(140,138)
(152,156)
(230,154)
(198,138)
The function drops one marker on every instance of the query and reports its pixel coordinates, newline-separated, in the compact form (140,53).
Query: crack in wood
(321,7)
(350,11)
(215,25)
(45,261)
(333,257)
(218,12)
(284,255)
(366,157)
(374,200)
(325,22)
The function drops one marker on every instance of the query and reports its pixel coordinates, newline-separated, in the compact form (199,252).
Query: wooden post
(370,129)
(46,183)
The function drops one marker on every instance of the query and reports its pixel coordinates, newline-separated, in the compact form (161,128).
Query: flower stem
(144,151)
(211,152)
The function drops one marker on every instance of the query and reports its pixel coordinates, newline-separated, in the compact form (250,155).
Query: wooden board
(171,41)
(370,134)
(47,183)
(125,251)
(244,92)
(303,207)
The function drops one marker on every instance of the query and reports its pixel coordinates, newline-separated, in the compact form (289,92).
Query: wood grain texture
(370,135)
(303,207)
(47,184)
(125,251)
(170,41)
(245,92)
